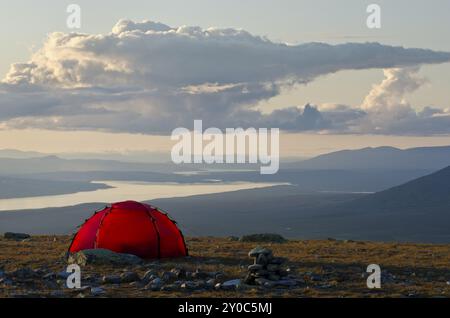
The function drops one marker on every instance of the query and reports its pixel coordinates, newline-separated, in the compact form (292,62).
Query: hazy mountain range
(15,166)
(380,158)
(367,158)
(387,158)
(125,156)
(364,170)
(411,203)
(21,187)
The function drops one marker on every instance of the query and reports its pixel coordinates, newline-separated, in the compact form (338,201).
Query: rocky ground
(219,267)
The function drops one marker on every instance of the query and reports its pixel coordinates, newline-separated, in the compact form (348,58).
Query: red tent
(134,228)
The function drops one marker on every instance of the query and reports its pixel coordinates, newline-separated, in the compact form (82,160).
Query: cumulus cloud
(388,110)
(148,77)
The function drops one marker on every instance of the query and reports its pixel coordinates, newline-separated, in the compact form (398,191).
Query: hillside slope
(428,192)
(418,210)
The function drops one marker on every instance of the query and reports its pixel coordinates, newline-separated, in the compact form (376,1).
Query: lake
(127,190)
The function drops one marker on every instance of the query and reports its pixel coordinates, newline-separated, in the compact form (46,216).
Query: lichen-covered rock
(168,276)
(23,273)
(198,274)
(179,272)
(273,267)
(102,257)
(16,236)
(210,283)
(154,285)
(259,251)
(149,276)
(169,288)
(249,279)
(129,277)
(189,285)
(111,279)
(263,237)
(263,259)
(277,260)
(49,276)
(255,267)
(273,277)
(264,282)
(97,291)
(286,282)
(231,284)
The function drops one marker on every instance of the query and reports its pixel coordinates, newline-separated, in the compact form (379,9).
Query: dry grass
(420,270)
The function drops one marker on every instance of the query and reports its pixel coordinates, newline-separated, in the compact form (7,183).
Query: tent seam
(155,226)
(100,226)
(175,223)
(80,226)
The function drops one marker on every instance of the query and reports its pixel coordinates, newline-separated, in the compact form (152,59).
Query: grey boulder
(16,236)
(102,257)
(264,237)
(259,250)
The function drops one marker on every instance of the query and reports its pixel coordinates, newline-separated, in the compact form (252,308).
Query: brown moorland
(325,268)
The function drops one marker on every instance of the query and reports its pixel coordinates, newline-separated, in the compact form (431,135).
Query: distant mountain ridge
(52,163)
(424,193)
(19,154)
(21,187)
(380,158)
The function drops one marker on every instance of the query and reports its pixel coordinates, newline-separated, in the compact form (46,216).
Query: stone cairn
(266,270)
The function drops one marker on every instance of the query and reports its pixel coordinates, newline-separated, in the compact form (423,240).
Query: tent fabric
(133,228)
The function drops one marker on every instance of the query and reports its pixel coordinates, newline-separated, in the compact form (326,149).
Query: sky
(122,87)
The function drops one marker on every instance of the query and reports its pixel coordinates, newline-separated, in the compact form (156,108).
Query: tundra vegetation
(217,267)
